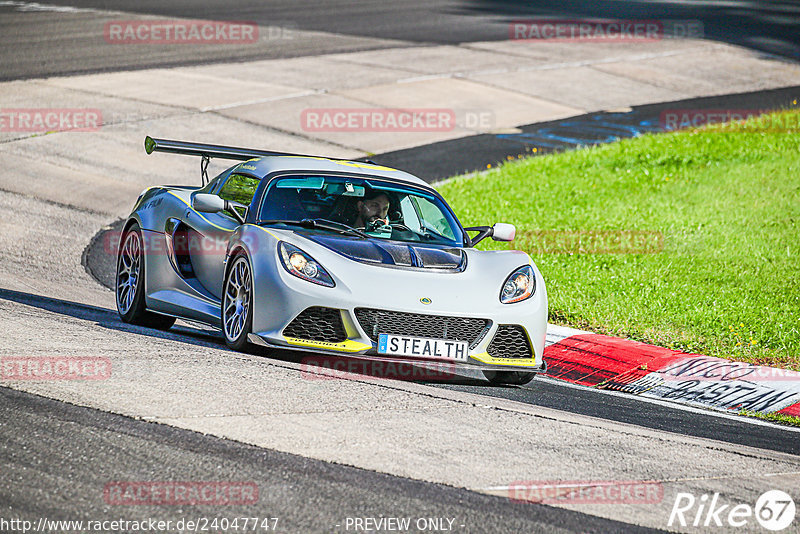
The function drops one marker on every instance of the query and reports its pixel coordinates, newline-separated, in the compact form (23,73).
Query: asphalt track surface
(42,42)
(305,495)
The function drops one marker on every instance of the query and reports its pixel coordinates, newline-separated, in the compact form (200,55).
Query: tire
(508,378)
(130,281)
(236,311)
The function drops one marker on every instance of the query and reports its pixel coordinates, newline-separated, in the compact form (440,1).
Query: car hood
(394,253)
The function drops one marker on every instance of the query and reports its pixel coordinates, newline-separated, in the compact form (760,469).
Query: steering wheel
(400,226)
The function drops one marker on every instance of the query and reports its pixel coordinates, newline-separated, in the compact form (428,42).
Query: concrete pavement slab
(710,71)
(555,53)
(436,59)
(587,87)
(175,87)
(36,98)
(95,192)
(507,108)
(314,72)
(293,115)
(650,72)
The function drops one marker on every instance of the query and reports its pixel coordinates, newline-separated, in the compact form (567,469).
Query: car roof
(267,165)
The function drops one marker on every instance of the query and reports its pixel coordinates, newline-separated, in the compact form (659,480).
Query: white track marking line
(261,100)
(37,7)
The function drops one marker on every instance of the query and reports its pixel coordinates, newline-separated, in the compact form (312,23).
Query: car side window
(239,188)
(410,217)
(211,185)
(434,218)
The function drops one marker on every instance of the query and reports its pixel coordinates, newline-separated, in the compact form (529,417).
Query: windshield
(375,208)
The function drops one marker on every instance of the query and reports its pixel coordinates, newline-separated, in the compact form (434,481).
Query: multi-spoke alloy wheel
(237,303)
(130,283)
(130,258)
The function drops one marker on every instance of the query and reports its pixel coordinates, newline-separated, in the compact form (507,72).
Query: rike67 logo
(774,510)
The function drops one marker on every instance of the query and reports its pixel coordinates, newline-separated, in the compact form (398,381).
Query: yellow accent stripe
(485,357)
(198,213)
(344,346)
(262,228)
(143,193)
(349,163)
(360,165)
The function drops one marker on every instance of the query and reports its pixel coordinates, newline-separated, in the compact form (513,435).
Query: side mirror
(499,232)
(207,203)
(504,232)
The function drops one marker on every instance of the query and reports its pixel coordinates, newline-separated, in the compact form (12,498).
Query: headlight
(303,266)
(519,285)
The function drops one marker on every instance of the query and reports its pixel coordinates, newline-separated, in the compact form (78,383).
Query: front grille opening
(318,324)
(510,341)
(375,322)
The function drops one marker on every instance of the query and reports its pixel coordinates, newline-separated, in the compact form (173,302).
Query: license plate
(423,347)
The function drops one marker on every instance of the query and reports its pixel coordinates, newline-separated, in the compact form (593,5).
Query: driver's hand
(375,224)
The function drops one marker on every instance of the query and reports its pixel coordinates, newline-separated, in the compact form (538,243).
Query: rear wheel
(130,283)
(508,378)
(237,304)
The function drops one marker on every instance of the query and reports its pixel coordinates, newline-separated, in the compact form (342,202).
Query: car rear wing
(206,152)
(210,151)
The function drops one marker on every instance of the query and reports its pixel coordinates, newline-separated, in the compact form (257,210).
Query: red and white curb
(622,365)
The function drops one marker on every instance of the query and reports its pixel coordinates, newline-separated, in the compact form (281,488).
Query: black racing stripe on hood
(393,253)
(437,258)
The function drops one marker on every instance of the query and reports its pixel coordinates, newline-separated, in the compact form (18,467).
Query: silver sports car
(335,257)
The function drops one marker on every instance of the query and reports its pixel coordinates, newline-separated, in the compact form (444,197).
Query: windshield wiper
(323,224)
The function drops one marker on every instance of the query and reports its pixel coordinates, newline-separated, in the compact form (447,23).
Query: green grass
(780,418)
(726,201)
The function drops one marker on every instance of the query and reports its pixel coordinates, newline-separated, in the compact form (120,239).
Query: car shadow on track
(341,367)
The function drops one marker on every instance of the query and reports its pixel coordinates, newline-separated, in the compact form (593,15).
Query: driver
(373,210)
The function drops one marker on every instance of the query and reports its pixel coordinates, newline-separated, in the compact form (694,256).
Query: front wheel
(508,378)
(237,304)
(130,282)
